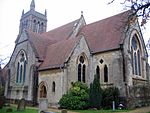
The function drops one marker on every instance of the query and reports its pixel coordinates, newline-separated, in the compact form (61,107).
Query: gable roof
(39,44)
(106,34)
(60,33)
(54,47)
(58,53)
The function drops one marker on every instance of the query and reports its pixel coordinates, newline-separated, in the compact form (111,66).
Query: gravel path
(138,110)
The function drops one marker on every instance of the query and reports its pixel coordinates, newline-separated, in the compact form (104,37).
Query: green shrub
(95,93)
(76,98)
(109,95)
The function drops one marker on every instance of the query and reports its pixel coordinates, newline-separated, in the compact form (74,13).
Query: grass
(100,111)
(14,108)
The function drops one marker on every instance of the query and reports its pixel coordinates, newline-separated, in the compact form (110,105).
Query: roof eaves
(51,67)
(113,49)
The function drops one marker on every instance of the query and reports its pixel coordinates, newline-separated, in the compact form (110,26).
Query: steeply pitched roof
(39,44)
(55,46)
(58,53)
(106,34)
(60,33)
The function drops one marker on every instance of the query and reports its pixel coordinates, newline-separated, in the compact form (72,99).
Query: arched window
(21,68)
(105,73)
(81,69)
(98,72)
(79,72)
(53,86)
(24,72)
(139,62)
(43,92)
(20,74)
(83,73)
(41,27)
(38,27)
(34,26)
(17,78)
(136,56)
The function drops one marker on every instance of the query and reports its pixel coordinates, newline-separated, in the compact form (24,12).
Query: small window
(105,73)
(82,59)
(83,73)
(98,72)
(53,87)
(79,72)
(101,61)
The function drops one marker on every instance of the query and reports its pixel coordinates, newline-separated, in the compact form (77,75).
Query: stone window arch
(82,67)
(136,55)
(21,63)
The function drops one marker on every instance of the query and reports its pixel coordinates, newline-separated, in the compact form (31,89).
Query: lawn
(27,110)
(100,111)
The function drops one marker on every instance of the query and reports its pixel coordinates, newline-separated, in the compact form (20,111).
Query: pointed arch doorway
(43,100)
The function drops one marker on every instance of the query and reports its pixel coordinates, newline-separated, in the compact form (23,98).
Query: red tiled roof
(55,46)
(39,44)
(106,34)
(58,53)
(60,33)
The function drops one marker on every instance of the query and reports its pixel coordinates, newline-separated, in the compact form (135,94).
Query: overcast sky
(59,12)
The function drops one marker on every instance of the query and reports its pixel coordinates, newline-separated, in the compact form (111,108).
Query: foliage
(76,98)
(2,99)
(95,93)
(109,95)
(141,8)
(1,90)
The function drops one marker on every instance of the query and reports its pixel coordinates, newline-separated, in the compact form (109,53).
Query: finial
(22,12)
(45,12)
(81,13)
(32,5)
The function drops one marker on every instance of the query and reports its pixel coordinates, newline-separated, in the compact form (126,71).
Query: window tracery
(21,68)
(136,55)
(82,69)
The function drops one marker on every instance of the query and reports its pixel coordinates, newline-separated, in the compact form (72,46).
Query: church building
(44,64)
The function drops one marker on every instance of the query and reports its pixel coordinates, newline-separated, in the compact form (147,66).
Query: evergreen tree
(95,93)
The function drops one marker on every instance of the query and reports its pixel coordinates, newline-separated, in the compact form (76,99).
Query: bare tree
(140,8)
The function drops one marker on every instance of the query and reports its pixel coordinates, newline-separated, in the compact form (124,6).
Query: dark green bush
(108,96)
(95,94)
(76,98)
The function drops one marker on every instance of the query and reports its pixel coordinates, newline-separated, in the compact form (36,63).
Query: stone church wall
(48,77)
(23,90)
(114,62)
(80,49)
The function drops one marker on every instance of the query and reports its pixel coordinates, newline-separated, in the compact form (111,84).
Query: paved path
(138,110)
